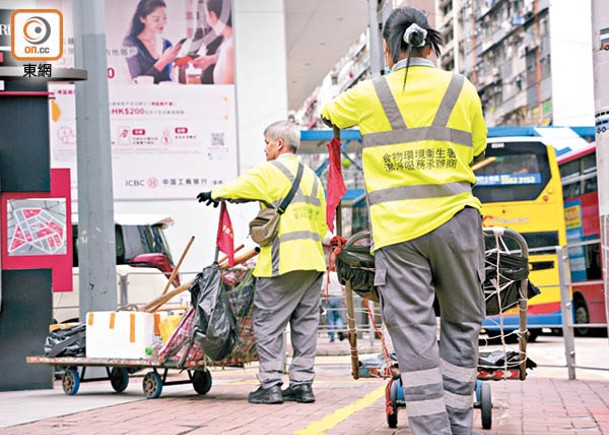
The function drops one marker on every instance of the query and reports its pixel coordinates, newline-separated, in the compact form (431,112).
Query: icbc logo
(36,34)
(153,182)
(135,183)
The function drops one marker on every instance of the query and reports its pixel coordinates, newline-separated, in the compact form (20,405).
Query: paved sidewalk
(546,403)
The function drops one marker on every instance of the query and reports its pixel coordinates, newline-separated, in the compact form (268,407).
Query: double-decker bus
(519,185)
(580,193)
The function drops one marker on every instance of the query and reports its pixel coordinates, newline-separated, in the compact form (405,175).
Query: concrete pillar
(600,50)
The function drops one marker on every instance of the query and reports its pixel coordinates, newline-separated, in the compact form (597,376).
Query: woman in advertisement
(152,60)
(218,17)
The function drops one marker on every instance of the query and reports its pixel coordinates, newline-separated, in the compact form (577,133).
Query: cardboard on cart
(121,334)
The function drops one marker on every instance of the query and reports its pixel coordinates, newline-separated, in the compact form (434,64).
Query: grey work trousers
(292,297)
(438,379)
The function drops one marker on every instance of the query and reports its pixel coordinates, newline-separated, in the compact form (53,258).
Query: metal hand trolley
(118,372)
(182,357)
(506,288)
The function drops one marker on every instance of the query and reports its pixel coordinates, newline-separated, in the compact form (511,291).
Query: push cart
(506,286)
(118,372)
(178,353)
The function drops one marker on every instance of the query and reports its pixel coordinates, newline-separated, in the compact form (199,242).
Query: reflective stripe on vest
(448,102)
(437,131)
(293,235)
(299,196)
(419,191)
(392,111)
(288,237)
(418,134)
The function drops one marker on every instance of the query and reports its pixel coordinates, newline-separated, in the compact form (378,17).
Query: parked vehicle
(580,193)
(143,264)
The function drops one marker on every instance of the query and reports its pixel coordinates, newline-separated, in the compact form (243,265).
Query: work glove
(327,122)
(206,196)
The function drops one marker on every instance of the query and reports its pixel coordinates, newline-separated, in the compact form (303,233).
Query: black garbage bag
(497,359)
(66,342)
(215,329)
(355,263)
(512,270)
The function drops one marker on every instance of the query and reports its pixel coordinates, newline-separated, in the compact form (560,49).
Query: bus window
(590,185)
(542,242)
(589,163)
(518,172)
(571,190)
(570,169)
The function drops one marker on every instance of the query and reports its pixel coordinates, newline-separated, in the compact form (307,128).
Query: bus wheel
(581,316)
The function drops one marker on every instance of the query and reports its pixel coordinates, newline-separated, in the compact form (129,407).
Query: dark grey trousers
(292,297)
(439,379)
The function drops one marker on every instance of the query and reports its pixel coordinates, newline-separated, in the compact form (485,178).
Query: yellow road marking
(331,420)
(255,381)
(250,382)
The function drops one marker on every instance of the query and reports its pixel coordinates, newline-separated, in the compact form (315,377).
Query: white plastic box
(121,334)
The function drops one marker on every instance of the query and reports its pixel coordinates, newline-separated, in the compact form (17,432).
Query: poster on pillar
(171,99)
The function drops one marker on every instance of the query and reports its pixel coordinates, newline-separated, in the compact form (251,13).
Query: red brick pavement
(539,405)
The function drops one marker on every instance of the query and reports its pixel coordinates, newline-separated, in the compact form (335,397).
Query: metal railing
(567,325)
(365,329)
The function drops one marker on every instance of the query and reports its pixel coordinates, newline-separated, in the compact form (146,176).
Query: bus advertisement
(519,185)
(580,193)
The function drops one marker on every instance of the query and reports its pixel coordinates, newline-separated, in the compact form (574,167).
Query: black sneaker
(299,393)
(341,335)
(266,395)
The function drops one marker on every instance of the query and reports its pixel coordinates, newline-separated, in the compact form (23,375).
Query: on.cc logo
(36,34)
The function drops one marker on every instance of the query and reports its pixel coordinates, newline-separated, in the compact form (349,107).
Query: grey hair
(286,130)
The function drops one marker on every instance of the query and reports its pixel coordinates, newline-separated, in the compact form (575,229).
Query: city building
(530,59)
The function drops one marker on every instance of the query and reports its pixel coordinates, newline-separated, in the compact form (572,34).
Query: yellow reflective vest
(418,144)
(302,226)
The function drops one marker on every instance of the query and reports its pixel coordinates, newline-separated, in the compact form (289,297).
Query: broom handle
(152,306)
(225,258)
(161,300)
(250,253)
(352,333)
(174,272)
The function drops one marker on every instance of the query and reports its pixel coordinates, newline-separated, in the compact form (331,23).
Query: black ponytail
(407,30)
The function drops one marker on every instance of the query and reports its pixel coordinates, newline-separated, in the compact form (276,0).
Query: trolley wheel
(392,419)
(152,385)
(70,381)
(119,379)
(486,405)
(201,381)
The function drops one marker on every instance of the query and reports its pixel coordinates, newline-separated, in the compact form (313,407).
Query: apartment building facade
(531,60)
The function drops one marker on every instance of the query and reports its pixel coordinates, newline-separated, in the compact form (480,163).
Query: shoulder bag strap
(284,204)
